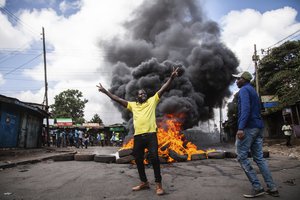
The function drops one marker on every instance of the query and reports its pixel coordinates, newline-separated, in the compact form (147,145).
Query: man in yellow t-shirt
(144,121)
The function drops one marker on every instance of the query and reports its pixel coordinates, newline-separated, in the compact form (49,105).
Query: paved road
(212,179)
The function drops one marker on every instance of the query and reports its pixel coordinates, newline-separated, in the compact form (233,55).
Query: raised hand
(101,88)
(175,72)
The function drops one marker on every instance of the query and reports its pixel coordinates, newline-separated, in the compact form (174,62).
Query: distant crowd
(81,138)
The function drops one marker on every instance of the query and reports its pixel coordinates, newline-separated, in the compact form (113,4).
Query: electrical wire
(282,39)
(18,20)
(295,36)
(12,53)
(22,65)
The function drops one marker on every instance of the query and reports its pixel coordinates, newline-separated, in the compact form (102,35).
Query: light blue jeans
(253,142)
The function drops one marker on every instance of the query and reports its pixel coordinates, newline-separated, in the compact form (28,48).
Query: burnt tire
(84,157)
(266,154)
(216,155)
(125,152)
(125,159)
(162,160)
(229,154)
(198,156)
(63,157)
(105,158)
(177,157)
(163,148)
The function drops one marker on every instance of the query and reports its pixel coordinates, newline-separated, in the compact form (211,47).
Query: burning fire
(170,139)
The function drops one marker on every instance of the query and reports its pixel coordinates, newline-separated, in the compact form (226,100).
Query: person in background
(144,121)
(80,138)
(113,138)
(102,139)
(287,130)
(117,139)
(71,137)
(249,137)
(98,137)
(53,134)
(91,139)
(58,138)
(64,137)
(76,138)
(86,139)
(44,136)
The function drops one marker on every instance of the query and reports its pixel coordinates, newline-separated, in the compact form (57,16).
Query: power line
(12,54)
(75,54)
(295,36)
(31,30)
(104,73)
(282,40)
(18,20)
(62,88)
(21,65)
(20,79)
(14,91)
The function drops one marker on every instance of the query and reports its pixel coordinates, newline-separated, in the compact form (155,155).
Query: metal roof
(29,106)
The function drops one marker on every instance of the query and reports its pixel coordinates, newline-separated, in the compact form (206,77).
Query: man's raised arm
(112,96)
(168,83)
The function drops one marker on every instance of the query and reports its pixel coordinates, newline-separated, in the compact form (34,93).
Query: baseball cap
(245,75)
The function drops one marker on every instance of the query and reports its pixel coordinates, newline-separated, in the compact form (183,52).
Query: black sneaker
(273,193)
(255,193)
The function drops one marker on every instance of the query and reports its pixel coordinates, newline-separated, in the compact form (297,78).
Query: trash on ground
(291,182)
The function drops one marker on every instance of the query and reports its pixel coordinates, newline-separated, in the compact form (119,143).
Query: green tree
(96,119)
(69,104)
(279,73)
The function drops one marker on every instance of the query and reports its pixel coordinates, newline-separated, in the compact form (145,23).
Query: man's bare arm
(168,83)
(112,96)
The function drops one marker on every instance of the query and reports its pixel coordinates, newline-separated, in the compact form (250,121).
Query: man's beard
(142,99)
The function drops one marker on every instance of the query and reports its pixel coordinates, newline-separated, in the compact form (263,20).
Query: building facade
(21,124)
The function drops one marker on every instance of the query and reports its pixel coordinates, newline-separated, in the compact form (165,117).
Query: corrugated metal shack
(20,123)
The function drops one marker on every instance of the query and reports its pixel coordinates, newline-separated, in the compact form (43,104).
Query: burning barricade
(172,144)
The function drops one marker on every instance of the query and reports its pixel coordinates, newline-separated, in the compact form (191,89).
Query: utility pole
(46,89)
(221,120)
(255,58)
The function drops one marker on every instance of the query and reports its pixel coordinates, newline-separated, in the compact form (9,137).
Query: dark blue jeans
(149,141)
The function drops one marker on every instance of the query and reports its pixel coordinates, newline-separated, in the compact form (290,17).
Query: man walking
(249,137)
(144,121)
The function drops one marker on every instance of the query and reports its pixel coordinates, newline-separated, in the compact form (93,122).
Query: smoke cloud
(164,34)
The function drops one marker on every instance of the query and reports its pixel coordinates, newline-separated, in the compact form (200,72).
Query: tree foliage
(96,119)
(69,104)
(279,73)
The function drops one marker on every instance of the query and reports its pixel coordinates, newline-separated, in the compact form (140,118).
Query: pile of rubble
(292,152)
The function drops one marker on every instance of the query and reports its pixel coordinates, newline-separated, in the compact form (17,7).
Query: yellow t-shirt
(144,120)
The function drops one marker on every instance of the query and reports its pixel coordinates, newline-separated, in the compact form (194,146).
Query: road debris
(291,182)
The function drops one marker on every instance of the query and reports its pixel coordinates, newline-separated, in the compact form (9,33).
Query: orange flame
(170,138)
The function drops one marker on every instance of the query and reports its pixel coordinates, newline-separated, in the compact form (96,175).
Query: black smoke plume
(164,34)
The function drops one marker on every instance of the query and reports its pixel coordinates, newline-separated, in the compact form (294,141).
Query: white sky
(76,62)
